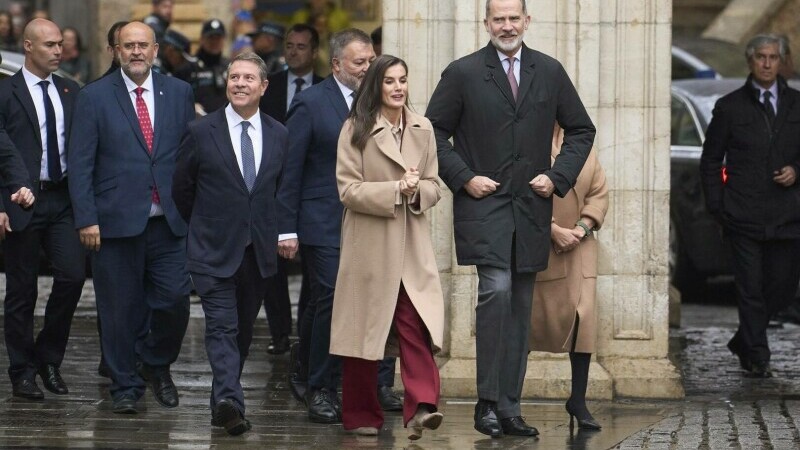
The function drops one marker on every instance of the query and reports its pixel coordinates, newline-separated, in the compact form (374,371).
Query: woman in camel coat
(564,315)
(387,288)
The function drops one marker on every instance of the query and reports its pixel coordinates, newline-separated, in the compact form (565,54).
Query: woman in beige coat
(387,288)
(564,316)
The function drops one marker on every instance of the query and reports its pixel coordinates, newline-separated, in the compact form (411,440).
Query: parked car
(694,57)
(696,249)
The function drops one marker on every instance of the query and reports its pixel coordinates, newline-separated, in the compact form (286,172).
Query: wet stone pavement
(722,409)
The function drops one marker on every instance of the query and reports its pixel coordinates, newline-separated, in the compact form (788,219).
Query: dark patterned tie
(147,130)
(299,85)
(248,158)
(53,155)
(768,106)
(512,80)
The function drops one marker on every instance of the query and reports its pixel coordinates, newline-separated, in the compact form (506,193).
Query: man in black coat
(499,104)
(228,171)
(35,117)
(755,131)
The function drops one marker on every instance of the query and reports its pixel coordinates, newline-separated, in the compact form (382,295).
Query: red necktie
(147,129)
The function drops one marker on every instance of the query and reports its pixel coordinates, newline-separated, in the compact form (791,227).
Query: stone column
(617,53)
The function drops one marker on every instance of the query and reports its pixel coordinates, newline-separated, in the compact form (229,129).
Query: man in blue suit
(311,210)
(122,160)
(35,115)
(228,171)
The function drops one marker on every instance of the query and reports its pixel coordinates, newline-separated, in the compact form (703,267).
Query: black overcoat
(741,136)
(509,142)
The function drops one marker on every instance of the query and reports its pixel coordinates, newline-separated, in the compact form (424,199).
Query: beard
(138,71)
(506,46)
(348,80)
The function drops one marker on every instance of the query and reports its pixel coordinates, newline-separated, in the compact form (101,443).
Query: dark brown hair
(367,102)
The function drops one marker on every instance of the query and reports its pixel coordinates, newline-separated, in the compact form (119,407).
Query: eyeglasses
(133,45)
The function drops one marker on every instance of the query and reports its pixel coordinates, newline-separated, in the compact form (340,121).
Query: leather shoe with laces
(389,399)
(516,426)
(125,404)
(226,415)
(51,379)
(164,389)
(26,388)
(322,407)
(486,419)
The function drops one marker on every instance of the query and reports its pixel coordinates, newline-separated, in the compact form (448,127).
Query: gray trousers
(503,318)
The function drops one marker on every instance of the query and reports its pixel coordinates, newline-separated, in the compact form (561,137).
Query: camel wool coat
(384,243)
(567,287)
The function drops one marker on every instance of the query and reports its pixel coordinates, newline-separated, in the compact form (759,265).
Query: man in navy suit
(35,116)
(122,161)
(311,209)
(228,171)
(300,50)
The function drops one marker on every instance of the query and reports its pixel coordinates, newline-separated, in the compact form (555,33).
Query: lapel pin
(160,92)
(66,90)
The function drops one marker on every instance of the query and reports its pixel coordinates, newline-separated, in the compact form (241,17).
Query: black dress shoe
(585,419)
(744,361)
(125,404)
(164,389)
(486,419)
(103,370)
(278,346)
(760,369)
(389,399)
(26,388)
(516,426)
(51,379)
(322,407)
(225,414)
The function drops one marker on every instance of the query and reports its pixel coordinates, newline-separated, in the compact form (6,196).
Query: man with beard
(122,161)
(499,105)
(209,79)
(309,208)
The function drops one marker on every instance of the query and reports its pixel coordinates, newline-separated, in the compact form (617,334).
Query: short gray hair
(524,7)
(341,39)
(761,40)
(253,58)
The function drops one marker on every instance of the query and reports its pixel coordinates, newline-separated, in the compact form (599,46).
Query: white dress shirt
(346,92)
(149,99)
(254,131)
(773,90)
(35,90)
(291,86)
(517,62)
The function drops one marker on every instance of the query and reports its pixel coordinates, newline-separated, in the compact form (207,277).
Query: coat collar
(415,141)
(497,75)
(24,96)
(336,98)
(124,100)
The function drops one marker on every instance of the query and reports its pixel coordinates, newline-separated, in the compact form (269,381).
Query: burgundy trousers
(360,407)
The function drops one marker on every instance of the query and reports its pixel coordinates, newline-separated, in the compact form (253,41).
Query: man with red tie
(122,161)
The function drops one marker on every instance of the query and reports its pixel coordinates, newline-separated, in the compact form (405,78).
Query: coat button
(517,157)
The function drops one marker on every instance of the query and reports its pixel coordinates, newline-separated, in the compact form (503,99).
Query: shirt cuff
(398,196)
(287,236)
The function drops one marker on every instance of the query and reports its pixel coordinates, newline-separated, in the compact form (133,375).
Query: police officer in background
(160,17)
(268,44)
(175,58)
(209,82)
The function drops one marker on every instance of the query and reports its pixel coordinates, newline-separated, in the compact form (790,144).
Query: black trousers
(277,304)
(766,275)
(51,228)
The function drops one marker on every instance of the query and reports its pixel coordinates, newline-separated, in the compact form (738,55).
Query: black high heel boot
(576,405)
(585,419)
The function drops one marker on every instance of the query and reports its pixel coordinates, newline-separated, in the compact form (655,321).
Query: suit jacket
(308,198)
(212,197)
(112,174)
(508,141)
(273,102)
(740,134)
(21,142)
